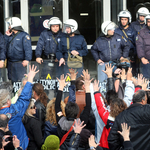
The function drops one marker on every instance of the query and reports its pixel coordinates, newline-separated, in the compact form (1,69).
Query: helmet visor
(66,29)
(111,26)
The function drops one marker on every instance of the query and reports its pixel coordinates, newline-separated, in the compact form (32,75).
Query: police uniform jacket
(48,42)
(19,48)
(130,35)
(2,47)
(111,48)
(76,42)
(143,43)
(137,26)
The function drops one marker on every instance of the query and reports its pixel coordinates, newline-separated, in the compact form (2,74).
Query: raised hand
(129,74)
(78,126)
(32,73)
(108,70)
(87,81)
(96,85)
(144,84)
(92,141)
(62,82)
(72,74)
(125,131)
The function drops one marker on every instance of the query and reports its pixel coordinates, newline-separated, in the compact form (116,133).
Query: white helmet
(72,24)
(143,11)
(147,17)
(124,14)
(108,25)
(54,21)
(14,23)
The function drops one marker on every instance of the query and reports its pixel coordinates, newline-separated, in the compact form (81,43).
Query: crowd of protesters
(86,119)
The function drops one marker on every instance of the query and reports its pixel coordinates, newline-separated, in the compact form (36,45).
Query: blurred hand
(74,52)
(87,81)
(92,141)
(72,74)
(125,131)
(62,82)
(39,60)
(100,62)
(96,86)
(61,61)
(140,79)
(144,84)
(32,73)
(16,141)
(8,33)
(56,60)
(25,63)
(1,64)
(129,74)
(78,126)
(108,70)
(144,61)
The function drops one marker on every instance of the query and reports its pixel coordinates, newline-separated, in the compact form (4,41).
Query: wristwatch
(92,148)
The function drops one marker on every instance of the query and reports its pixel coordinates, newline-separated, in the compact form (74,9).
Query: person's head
(140,97)
(110,95)
(117,105)
(108,28)
(50,111)
(147,21)
(15,24)
(39,94)
(3,122)
(124,18)
(31,110)
(79,84)
(71,110)
(70,26)
(55,24)
(51,143)
(5,97)
(141,14)
(6,85)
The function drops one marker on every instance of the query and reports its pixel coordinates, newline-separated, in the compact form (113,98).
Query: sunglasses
(32,107)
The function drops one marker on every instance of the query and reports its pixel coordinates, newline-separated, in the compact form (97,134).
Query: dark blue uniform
(48,41)
(2,48)
(108,49)
(18,49)
(77,43)
(137,26)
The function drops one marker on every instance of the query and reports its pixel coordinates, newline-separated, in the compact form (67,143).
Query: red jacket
(108,120)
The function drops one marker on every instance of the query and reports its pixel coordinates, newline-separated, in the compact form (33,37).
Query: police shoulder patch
(136,38)
(27,37)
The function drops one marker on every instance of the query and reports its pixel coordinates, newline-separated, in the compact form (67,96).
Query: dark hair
(79,83)
(3,121)
(110,95)
(117,106)
(139,96)
(6,85)
(39,90)
(71,110)
(148,97)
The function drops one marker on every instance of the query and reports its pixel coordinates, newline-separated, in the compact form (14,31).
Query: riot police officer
(49,40)
(143,48)
(108,47)
(72,46)
(140,16)
(127,31)
(19,50)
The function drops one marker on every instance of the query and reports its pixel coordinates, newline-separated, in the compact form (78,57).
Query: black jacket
(33,128)
(40,114)
(138,117)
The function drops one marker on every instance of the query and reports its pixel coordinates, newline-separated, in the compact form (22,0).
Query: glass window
(40,10)
(88,14)
(116,7)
